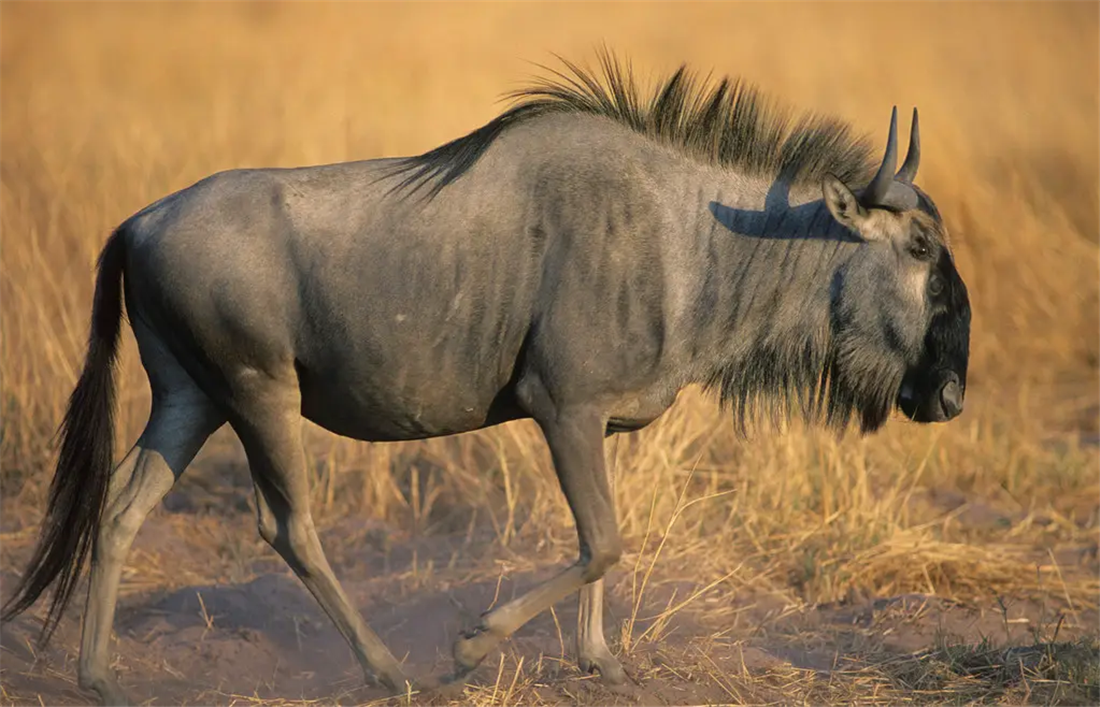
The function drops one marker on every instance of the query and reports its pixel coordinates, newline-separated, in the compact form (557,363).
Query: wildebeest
(578,260)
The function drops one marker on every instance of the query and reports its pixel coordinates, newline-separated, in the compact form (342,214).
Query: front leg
(575,438)
(593,655)
(592,651)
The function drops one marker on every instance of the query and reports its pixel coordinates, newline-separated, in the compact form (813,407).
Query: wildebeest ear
(843,204)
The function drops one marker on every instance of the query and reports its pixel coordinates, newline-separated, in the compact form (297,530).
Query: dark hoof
(393,680)
(610,670)
(473,631)
(106,688)
(472,647)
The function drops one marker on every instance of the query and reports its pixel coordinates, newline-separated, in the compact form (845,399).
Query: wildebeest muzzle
(935,396)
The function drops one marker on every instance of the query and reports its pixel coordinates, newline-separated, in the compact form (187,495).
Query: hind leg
(181,421)
(268,422)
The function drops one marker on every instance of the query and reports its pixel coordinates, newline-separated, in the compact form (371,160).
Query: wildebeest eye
(919,249)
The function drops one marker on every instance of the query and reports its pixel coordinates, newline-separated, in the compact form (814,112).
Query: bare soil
(210,615)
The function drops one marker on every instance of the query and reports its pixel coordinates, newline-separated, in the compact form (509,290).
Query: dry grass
(1044,673)
(106,108)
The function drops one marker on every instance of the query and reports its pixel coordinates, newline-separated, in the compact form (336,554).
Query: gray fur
(578,264)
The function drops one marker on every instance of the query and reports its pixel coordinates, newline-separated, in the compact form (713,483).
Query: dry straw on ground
(107,107)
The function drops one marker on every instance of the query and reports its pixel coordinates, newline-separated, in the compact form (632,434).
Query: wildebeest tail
(79,489)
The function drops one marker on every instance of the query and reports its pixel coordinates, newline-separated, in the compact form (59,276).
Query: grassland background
(106,107)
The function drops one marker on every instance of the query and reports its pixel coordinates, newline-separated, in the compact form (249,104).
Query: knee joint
(599,559)
(116,532)
(268,528)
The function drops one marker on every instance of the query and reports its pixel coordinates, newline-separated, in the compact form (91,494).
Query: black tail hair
(79,489)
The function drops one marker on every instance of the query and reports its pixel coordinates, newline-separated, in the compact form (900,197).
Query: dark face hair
(934,388)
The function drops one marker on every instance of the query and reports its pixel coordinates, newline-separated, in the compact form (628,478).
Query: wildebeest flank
(578,260)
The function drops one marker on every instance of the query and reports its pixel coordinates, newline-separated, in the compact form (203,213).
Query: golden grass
(108,107)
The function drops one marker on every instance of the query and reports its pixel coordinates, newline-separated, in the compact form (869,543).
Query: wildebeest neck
(772,265)
(763,308)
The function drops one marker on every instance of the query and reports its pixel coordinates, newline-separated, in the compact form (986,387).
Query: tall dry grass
(108,107)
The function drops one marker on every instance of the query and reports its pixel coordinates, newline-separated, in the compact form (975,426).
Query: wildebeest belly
(378,412)
(394,378)
(352,414)
(383,413)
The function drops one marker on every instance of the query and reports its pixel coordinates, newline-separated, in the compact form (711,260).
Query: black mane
(728,123)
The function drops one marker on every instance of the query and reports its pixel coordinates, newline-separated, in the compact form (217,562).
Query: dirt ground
(210,615)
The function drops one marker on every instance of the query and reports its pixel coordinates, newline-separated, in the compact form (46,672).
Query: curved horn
(876,191)
(908,171)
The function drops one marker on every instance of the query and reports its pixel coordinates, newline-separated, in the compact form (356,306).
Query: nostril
(951,397)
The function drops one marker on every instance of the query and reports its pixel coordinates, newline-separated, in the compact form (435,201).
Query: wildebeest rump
(578,260)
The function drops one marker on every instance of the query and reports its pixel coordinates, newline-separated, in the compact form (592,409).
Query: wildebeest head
(900,301)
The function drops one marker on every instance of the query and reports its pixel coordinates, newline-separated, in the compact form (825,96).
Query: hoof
(609,668)
(391,677)
(471,649)
(107,689)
